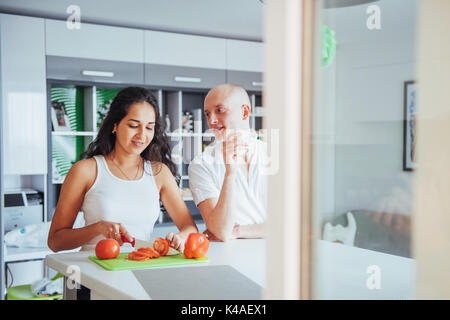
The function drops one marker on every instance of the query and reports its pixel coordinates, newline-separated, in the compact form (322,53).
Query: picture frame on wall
(409,125)
(60,120)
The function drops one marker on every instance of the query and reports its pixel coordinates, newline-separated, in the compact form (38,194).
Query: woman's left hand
(176,241)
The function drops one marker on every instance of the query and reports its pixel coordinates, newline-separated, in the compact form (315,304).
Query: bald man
(226,180)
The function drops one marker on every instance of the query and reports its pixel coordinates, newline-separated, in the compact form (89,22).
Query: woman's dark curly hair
(157,150)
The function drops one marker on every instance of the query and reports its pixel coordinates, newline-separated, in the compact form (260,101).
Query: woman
(118,187)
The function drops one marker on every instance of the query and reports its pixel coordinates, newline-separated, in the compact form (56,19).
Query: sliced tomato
(161,245)
(146,252)
(156,253)
(150,252)
(137,256)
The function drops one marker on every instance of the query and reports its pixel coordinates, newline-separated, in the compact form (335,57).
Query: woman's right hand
(113,230)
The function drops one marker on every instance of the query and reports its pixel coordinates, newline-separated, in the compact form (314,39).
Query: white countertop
(340,271)
(345,272)
(246,256)
(15,254)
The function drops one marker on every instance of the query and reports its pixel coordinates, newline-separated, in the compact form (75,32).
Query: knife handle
(124,239)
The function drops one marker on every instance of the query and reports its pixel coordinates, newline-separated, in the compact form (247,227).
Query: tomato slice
(149,252)
(154,252)
(146,252)
(137,256)
(161,245)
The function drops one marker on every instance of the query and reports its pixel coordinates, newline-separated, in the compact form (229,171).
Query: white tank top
(134,203)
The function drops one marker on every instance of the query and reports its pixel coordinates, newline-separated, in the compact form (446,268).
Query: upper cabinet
(94,53)
(93,41)
(23,94)
(184,50)
(245,55)
(179,60)
(163,59)
(245,63)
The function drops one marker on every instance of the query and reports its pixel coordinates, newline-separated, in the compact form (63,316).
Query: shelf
(86,107)
(74,133)
(13,254)
(190,134)
(208,135)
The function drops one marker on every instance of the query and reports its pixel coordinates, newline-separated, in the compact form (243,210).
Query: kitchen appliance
(22,207)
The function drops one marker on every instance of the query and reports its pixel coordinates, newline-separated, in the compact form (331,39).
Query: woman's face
(136,130)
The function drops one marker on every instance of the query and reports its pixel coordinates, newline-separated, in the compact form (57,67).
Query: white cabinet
(245,55)
(184,61)
(23,94)
(94,42)
(175,49)
(245,64)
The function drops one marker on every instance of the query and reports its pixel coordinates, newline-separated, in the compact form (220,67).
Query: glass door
(369,154)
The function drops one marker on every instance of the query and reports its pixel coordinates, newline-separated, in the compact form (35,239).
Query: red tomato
(150,252)
(138,256)
(107,249)
(161,245)
(196,246)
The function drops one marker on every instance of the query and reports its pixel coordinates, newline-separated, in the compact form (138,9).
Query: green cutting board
(121,263)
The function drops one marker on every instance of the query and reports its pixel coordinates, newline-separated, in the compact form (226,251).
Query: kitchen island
(340,272)
(246,257)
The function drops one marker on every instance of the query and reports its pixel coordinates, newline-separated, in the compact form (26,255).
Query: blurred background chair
(379,231)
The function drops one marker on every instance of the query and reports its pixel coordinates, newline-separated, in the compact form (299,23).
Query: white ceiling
(236,19)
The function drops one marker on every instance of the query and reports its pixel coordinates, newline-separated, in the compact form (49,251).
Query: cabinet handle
(97,73)
(188,79)
(257,84)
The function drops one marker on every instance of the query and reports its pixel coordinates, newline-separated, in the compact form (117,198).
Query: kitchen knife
(137,243)
(124,239)
(142,244)
(147,244)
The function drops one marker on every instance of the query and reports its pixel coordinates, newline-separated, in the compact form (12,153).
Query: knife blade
(142,244)
(146,244)
(138,243)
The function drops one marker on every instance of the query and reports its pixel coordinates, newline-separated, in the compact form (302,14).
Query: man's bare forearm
(186,230)
(251,231)
(221,221)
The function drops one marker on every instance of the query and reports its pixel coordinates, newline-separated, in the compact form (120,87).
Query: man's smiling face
(225,109)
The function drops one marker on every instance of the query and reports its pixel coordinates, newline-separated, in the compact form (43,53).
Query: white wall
(371,68)
(369,126)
